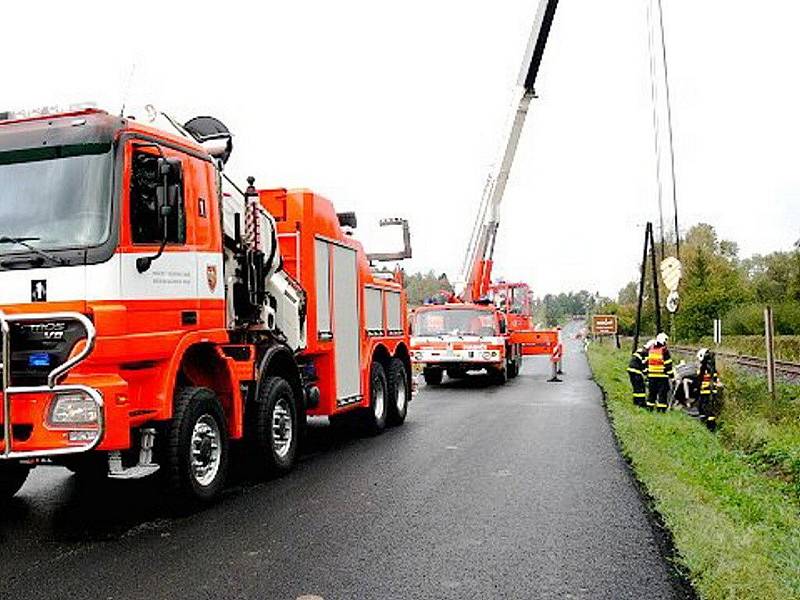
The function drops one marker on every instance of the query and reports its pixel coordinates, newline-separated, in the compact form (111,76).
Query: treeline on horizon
(717,283)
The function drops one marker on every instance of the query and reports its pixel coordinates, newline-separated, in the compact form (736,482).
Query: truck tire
(511,369)
(12,478)
(432,376)
(456,373)
(399,392)
(273,427)
(196,456)
(374,417)
(499,376)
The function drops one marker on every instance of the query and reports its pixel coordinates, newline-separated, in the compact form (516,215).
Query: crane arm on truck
(477,268)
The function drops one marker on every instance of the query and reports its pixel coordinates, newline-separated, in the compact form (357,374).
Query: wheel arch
(278,360)
(402,352)
(202,365)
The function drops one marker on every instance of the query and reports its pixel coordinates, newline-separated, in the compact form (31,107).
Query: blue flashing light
(39,359)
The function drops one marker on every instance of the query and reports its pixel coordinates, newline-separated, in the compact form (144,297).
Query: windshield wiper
(23,241)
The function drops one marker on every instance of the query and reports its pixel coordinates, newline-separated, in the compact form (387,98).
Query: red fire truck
(152,312)
(486,327)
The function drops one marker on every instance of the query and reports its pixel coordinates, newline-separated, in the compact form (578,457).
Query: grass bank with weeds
(730,499)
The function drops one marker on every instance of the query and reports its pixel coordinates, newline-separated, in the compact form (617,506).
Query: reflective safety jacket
(638,362)
(708,379)
(659,362)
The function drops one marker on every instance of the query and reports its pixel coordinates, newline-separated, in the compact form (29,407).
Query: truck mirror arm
(143,263)
(390,256)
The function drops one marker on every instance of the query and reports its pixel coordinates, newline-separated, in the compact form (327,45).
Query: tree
(421,286)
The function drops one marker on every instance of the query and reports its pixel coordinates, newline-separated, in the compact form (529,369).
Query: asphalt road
(486,492)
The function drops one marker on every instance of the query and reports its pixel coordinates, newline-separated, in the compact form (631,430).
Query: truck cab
(459,338)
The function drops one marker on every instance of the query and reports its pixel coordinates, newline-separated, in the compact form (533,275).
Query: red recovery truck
(513,300)
(486,327)
(151,313)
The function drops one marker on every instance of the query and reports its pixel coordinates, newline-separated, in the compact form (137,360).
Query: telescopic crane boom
(477,268)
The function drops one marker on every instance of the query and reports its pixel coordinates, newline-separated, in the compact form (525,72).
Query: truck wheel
(432,376)
(399,392)
(12,478)
(456,373)
(375,415)
(499,376)
(273,428)
(196,460)
(511,369)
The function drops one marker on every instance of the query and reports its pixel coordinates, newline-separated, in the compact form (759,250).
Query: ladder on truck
(475,281)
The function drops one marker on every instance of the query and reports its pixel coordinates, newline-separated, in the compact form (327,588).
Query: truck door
(163,296)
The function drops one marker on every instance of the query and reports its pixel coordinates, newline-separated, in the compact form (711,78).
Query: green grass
(729,499)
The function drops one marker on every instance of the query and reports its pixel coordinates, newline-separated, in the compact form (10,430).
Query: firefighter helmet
(661,339)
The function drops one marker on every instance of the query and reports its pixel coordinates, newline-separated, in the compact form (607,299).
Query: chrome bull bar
(52,385)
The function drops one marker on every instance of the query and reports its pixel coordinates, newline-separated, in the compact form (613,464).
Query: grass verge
(735,525)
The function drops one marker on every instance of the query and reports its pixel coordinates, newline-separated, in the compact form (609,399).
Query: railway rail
(786,369)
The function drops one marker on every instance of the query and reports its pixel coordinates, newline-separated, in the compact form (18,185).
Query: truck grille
(39,347)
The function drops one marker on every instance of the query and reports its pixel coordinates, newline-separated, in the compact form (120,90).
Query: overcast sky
(396,109)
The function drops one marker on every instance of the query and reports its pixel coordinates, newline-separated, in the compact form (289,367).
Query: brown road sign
(604,324)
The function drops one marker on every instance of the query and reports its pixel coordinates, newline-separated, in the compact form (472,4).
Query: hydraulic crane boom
(477,268)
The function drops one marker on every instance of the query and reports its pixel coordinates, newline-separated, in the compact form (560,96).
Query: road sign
(671,272)
(673,301)
(604,324)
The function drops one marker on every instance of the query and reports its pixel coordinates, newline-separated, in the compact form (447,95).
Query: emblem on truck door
(38,290)
(211,276)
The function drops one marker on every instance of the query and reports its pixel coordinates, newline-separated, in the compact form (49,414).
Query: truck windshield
(56,197)
(460,321)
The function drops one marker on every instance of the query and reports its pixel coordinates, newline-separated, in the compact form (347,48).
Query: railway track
(786,369)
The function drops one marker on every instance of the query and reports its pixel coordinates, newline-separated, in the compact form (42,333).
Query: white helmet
(661,339)
(701,354)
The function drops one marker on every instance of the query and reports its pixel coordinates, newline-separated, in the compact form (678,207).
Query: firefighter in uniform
(709,388)
(659,372)
(637,367)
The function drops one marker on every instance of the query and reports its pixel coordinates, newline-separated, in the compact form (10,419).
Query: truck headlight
(73,408)
(487,355)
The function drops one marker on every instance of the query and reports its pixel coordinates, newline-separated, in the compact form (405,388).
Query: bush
(748,319)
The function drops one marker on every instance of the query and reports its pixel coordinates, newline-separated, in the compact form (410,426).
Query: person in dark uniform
(637,367)
(708,405)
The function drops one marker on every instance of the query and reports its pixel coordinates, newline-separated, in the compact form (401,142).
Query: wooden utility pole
(769,336)
(647,232)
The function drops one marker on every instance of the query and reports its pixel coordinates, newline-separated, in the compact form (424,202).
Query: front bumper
(24,410)
(479,357)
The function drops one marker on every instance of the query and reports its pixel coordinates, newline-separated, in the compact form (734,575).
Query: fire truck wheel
(399,392)
(272,428)
(12,477)
(511,369)
(375,415)
(456,373)
(499,376)
(432,376)
(196,458)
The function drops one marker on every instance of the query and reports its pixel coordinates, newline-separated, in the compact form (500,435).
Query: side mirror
(170,171)
(503,326)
